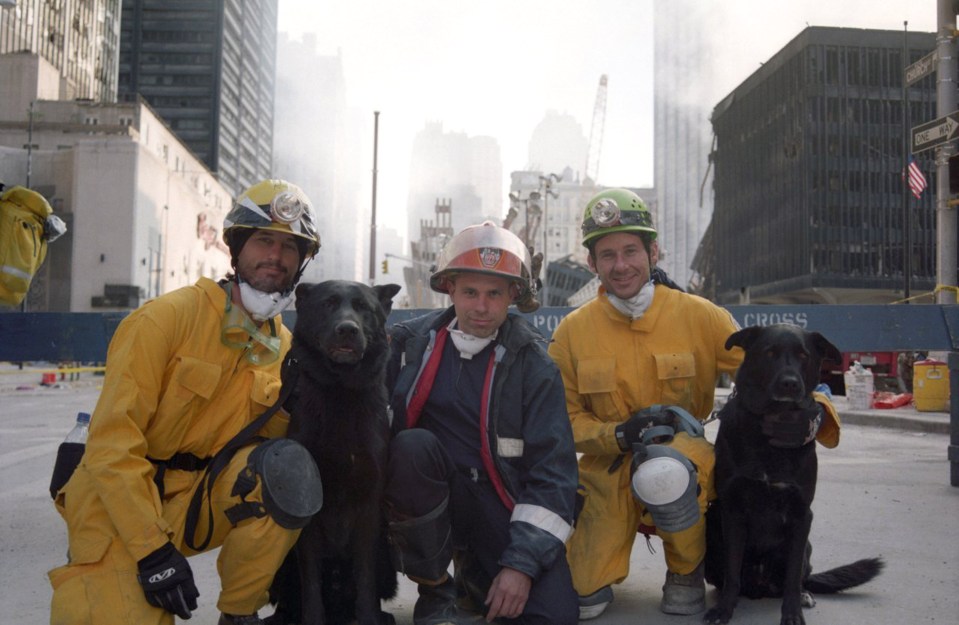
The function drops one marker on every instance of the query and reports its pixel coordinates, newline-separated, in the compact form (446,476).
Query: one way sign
(934,133)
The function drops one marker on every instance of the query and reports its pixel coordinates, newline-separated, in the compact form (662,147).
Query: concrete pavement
(884,491)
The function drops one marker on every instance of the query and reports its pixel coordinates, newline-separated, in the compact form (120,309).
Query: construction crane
(596,132)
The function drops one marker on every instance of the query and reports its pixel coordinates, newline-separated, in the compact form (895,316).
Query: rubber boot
(436,604)
(684,594)
(593,605)
(421,547)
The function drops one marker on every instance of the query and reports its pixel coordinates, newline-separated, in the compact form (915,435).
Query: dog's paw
(717,616)
(806,600)
(792,619)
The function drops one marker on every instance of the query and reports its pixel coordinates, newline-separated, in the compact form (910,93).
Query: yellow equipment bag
(24,233)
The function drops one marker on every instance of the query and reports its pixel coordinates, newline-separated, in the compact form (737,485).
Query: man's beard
(269,284)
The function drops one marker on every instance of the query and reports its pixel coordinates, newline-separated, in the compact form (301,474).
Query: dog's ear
(826,349)
(385,293)
(744,338)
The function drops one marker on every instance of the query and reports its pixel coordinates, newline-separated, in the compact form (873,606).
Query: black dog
(757,531)
(339,569)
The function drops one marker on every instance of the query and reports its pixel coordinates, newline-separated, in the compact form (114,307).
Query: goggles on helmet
(239,332)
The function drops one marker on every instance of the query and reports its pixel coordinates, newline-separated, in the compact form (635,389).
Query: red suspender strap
(485,450)
(424,383)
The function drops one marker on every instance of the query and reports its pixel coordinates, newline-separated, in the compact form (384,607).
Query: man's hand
(507,594)
(632,429)
(167,581)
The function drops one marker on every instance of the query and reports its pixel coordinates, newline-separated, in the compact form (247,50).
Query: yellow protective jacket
(672,355)
(613,367)
(171,386)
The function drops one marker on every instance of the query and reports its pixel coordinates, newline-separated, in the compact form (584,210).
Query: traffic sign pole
(945,101)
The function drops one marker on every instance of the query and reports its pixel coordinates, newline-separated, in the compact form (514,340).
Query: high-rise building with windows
(810,201)
(207,68)
(79,38)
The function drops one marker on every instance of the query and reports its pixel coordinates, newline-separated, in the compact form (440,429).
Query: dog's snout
(347,328)
(789,387)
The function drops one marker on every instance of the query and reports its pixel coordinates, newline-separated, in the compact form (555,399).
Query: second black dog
(757,531)
(340,415)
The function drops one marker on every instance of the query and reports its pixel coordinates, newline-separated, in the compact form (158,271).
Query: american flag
(917,182)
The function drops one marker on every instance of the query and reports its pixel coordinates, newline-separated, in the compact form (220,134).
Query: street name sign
(934,133)
(921,68)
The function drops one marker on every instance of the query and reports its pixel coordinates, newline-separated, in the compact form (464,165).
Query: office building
(79,38)
(810,201)
(207,67)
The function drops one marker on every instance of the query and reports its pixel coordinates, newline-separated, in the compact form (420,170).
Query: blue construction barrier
(83,337)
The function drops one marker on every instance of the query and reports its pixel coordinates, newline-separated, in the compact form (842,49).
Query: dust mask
(467,344)
(635,306)
(262,306)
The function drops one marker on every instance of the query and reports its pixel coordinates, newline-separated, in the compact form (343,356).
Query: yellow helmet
(616,210)
(273,205)
(488,249)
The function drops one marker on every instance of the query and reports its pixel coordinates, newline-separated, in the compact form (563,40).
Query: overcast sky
(495,67)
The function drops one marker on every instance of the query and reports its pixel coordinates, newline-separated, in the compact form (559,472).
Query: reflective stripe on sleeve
(544,519)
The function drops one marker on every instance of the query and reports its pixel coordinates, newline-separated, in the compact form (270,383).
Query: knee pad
(421,547)
(290,484)
(664,481)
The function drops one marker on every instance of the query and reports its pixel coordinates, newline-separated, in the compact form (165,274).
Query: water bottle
(80,431)
(69,453)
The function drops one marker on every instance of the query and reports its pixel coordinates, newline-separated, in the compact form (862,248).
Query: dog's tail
(843,577)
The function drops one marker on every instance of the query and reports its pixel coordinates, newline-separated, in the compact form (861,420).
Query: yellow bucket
(930,386)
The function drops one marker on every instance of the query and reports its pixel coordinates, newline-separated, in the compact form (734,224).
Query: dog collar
(792,428)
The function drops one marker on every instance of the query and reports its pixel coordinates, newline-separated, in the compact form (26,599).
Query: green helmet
(616,210)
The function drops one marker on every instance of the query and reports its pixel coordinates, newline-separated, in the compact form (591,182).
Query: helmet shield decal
(489,257)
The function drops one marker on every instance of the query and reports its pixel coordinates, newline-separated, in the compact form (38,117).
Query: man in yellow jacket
(185,373)
(640,343)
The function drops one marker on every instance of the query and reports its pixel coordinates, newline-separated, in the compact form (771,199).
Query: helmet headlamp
(605,212)
(286,208)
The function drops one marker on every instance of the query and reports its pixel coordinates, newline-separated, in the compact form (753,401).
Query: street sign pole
(945,101)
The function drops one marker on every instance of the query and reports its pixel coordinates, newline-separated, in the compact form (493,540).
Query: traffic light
(954,175)
(386,265)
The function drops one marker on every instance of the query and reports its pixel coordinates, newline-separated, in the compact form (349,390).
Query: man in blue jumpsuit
(482,468)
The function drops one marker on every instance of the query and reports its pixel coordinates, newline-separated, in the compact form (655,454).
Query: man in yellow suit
(185,373)
(640,346)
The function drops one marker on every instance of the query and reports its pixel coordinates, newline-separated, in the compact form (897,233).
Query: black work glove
(168,581)
(792,428)
(632,430)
